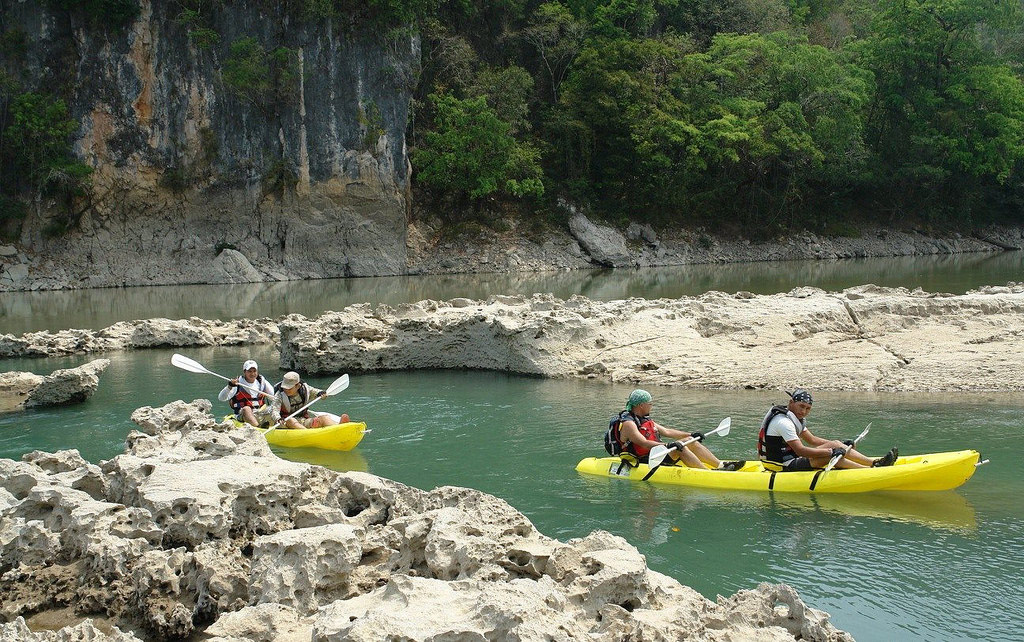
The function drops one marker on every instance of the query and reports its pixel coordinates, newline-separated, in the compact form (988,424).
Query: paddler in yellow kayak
(295,393)
(251,397)
(784,442)
(637,433)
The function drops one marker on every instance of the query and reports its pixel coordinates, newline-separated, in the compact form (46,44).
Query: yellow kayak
(344,436)
(934,471)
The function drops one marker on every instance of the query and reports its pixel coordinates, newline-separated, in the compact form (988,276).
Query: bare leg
(705,455)
(326,419)
(821,462)
(687,457)
(248,416)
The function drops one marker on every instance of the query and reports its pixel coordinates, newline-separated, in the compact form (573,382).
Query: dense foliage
(758,114)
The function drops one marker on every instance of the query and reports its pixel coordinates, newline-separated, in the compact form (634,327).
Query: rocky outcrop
(197,527)
(20,390)
(197,180)
(604,245)
(587,244)
(148,333)
(864,338)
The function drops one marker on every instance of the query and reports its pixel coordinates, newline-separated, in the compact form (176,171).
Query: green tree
(947,121)
(38,140)
(557,37)
(755,126)
(508,91)
(470,153)
(36,143)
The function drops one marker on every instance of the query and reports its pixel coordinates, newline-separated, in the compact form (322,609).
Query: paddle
(657,455)
(835,460)
(185,363)
(339,384)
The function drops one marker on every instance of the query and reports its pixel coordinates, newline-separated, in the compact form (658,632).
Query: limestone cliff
(197,179)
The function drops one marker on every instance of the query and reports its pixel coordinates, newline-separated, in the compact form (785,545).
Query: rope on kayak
(771,480)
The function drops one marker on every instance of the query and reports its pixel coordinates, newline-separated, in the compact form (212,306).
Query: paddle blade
(656,456)
(339,384)
(723,427)
(185,363)
(863,434)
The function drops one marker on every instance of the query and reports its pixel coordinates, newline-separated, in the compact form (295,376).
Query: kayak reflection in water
(295,393)
(785,443)
(638,434)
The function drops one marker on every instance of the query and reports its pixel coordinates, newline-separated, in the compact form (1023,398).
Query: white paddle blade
(339,384)
(724,427)
(656,456)
(185,363)
(863,434)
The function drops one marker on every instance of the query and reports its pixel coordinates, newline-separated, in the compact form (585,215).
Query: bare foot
(344,418)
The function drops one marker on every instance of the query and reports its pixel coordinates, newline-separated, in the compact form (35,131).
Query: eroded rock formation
(197,526)
(20,390)
(148,333)
(864,338)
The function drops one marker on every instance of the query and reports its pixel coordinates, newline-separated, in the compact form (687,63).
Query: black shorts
(798,464)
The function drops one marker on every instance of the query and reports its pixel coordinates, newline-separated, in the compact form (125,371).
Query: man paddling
(638,434)
(252,397)
(784,441)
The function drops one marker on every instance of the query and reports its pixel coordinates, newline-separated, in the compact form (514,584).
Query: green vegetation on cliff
(758,114)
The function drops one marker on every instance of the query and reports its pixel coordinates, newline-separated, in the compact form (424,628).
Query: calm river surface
(907,566)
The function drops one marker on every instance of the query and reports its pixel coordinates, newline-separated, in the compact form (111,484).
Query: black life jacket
(613,438)
(243,398)
(773,447)
(612,442)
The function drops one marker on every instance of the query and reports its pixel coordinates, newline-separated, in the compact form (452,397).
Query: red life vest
(647,429)
(242,396)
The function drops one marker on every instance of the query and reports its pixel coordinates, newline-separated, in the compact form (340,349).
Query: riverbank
(198,529)
(429,248)
(866,338)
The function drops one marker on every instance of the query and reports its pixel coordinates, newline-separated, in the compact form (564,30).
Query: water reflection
(341,461)
(97,308)
(943,510)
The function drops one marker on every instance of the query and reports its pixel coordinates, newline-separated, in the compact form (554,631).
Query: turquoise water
(909,566)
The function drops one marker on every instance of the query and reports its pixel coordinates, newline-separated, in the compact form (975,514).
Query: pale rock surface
(863,338)
(15,388)
(20,390)
(66,386)
(198,530)
(147,333)
(18,631)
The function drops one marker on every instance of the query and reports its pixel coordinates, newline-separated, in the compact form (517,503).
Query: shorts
(265,416)
(798,464)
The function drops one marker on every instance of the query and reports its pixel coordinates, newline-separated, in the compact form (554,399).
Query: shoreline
(583,245)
